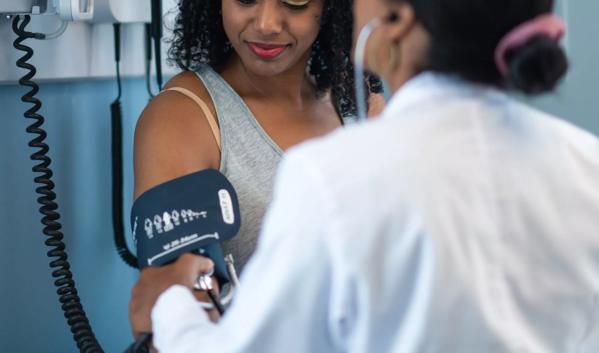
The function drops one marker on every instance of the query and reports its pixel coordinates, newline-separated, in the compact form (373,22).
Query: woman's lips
(267,51)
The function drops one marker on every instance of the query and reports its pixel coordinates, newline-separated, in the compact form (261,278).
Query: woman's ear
(400,20)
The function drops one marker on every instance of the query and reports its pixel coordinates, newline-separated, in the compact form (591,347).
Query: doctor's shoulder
(173,137)
(345,156)
(564,133)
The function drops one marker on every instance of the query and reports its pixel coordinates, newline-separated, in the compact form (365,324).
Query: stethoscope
(359,60)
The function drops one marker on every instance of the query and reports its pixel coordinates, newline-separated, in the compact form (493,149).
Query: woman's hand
(156,280)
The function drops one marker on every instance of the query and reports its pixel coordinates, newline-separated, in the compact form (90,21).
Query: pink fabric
(547,25)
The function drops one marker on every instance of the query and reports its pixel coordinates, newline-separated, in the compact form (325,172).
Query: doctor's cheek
(376,105)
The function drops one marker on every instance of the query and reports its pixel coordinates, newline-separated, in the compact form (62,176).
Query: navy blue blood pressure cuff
(194,213)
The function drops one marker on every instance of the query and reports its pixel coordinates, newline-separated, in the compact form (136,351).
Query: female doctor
(464,221)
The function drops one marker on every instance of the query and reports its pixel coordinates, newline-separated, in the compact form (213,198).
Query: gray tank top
(249,159)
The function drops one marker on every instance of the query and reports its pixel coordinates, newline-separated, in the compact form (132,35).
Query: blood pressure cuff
(194,213)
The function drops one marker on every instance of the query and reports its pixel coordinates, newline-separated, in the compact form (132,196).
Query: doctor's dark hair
(199,38)
(465,33)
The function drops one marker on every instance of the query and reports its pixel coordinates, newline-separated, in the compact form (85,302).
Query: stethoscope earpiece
(360,53)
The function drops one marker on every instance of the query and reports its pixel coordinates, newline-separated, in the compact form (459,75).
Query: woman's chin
(268,67)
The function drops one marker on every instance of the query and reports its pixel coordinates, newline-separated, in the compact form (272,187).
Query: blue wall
(78,124)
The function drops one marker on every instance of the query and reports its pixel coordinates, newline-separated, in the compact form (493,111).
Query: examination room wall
(77,86)
(79,135)
(78,125)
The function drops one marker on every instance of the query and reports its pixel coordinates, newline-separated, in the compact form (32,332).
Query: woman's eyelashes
(246,2)
(293,5)
(297,5)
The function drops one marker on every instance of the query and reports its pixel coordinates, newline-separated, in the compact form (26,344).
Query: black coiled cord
(68,296)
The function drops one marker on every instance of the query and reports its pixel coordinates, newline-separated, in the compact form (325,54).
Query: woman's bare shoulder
(172,136)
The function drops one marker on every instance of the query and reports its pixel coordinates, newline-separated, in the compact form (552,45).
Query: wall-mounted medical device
(68,10)
(98,11)
(21,7)
(122,11)
(74,10)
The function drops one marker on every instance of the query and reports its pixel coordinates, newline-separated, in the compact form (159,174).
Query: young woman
(259,77)
(464,221)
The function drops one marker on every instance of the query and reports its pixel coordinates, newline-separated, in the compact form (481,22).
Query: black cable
(216,302)
(157,35)
(117,58)
(66,290)
(148,61)
(116,112)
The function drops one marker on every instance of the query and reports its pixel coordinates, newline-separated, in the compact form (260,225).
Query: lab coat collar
(430,88)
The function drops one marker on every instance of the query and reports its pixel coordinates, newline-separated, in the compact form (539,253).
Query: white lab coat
(461,221)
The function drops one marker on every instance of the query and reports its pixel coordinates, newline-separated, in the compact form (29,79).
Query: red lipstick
(267,51)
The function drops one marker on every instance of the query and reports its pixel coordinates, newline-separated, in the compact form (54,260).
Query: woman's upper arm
(172,139)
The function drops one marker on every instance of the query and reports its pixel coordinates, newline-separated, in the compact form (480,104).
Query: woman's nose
(270,18)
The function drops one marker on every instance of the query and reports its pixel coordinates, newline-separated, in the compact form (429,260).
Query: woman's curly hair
(199,38)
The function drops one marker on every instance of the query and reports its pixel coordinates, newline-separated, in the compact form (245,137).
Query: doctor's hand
(156,280)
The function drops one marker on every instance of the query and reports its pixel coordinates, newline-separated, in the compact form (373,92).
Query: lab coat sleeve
(283,301)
